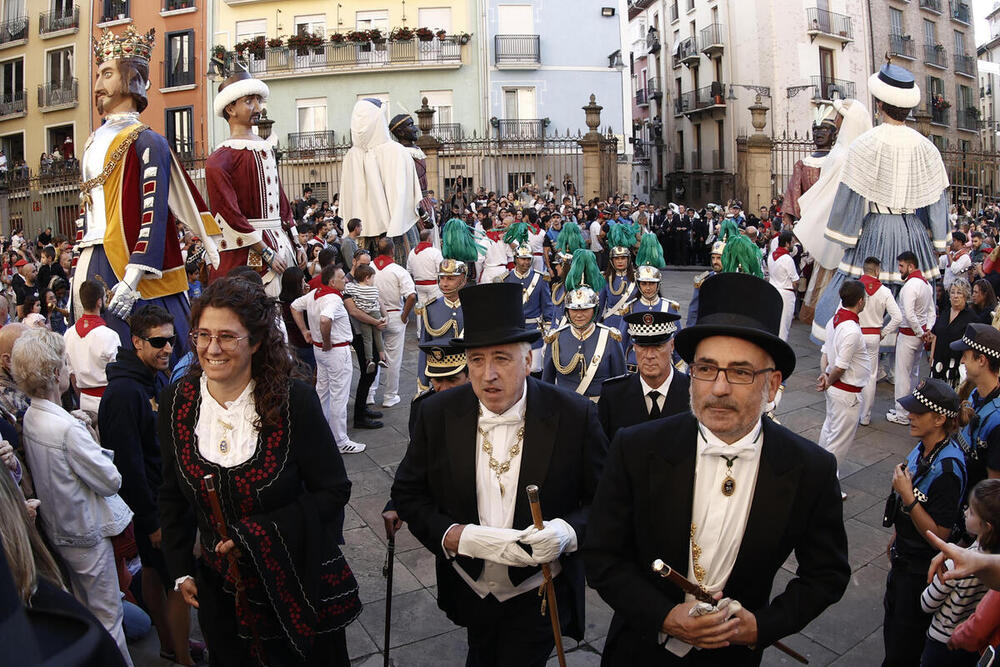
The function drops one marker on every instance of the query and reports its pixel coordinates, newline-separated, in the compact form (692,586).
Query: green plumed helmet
(621,235)
(650,252)
(570,239)
(584,271)
(742,256)
(457,242)
(729,229)
(517,233)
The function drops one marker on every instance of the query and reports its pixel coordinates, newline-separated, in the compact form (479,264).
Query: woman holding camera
(927,492)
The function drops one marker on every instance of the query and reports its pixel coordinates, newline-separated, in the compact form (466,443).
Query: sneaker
(897,418)
(383,364)
(351,447)
(865,421)
(371,367)
(390,401)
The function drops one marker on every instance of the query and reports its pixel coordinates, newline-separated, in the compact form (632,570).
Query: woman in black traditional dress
(239,417)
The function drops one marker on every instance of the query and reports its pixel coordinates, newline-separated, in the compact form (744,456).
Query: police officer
(980,348)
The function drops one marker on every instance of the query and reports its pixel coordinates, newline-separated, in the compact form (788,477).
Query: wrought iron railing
(447,131)
(968,118)
(54,94)
(58,20)
(522,128)
(829,23)
(933,5)
(653,90)
(965,64)
(283,60)
(310,144)
(517,49)
(702,98)
(114,10)
(939,116)
(828,88)
(901,45)
(960,12)
(934,54)
(174,5)
(687,49)
(178,75)
(13,102)
(13,30)
(640,96)
(710,36)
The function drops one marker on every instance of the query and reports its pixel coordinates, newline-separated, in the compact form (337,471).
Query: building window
(12,82)
(515,20)
(311,114)
(249,29)
(12,146)
(519,103)
(895,21)
(930,33)
(442,101)
(368,20)
(180,131)
(179,65)
(59,64)
(313,24)
(435,18)
(115,10)
(959,43)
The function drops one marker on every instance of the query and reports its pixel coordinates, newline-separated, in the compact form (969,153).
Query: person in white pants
(874,329)
(422,264)
(782,274)
(846,368)
(916,303)
(398,295)
(330,333)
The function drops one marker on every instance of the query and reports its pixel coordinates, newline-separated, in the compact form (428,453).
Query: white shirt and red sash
(90,346)
(423,262)
(916,303)
(845,349)
(880,302)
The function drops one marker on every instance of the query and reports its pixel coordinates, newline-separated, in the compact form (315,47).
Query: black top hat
(979,337)
(932,395)
(443,359)
(494,315)
(651,327)
(741,306)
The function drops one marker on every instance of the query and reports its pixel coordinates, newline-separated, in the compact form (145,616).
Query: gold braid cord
(450,324)
(116,156)
(555,301)
(611,285)
(699,571)
(576,360)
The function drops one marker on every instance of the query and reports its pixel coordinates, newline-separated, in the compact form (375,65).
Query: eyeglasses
(160,342)
(226,341)
(710,373)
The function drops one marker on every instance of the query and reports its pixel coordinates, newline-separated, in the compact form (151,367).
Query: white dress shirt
(595,236)
(845,349)
(781,272)
(957,268)
(325,306)
(232,421)
(663,389)
(423,265)
(394,286)
(916,302)
(495,510)
(878,304)
(90,354)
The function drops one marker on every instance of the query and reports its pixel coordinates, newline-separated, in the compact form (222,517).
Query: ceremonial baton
(387,573)
(550,587)
(701,595)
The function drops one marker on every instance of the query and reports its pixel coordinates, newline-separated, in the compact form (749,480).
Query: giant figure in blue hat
(893,193)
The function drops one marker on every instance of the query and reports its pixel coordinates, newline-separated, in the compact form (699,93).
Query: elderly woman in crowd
(271,585)
(74,478)
(948,328)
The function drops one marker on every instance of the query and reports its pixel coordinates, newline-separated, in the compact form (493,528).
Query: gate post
(758,160)
(591,145)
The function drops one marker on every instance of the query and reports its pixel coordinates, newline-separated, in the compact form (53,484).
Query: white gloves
(497,545)
(555,539)
(125,293)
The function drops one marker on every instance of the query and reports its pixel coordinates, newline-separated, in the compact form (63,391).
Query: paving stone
(857,500)
(415,616)
(352,519)
(581,656)
(876,479)
(802,419)
(389,454)
(449,648)
(420,562)
(598,615)
(817,654)
(871,651)
(850,620)
(358,642)
(366,555)
(370,509)
(355,463)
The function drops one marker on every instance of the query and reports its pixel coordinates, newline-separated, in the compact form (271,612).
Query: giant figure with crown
(134,195)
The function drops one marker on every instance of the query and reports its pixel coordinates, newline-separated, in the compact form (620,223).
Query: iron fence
(785,152)
(829,23)
(13,102)
(59,20)
(181,74)
(447,131)
(517,50)
(311,144)
(14,29)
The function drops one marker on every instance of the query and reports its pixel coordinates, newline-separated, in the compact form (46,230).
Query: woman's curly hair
(270,366)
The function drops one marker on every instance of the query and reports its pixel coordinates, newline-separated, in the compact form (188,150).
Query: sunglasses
(159,342)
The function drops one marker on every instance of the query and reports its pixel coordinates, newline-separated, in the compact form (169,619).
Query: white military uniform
(845,349)
(916,303)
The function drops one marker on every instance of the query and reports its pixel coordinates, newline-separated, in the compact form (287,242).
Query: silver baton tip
(660,567)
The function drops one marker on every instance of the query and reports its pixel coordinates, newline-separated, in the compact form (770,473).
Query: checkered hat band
(932,405)
(642,330)
(448,361)
(981,348)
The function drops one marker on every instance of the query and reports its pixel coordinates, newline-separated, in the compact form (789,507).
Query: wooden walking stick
(701,595)
(548,585)
(387,573)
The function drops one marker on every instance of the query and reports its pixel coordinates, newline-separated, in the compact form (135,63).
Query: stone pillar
(923,118)
(430,146)
(758,160)
(591,145)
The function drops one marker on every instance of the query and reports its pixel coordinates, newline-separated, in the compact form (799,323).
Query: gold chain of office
(112,163)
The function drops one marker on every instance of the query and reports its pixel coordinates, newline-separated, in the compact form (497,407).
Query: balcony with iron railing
(701,100)
(931,5)
(14,31)
(447,131)
(653,90)
(821,22)
(640,97)
(965,65)
(114,10)
(284,61)
(521,128)
(13,103)
(902,46)
(935,56)
(967,119)
(517,51)
(960,12)
(938,116)
(179,74)
(710,40)
(827,88)
(58,95)
(307,145)
(50,23)
(177,5)
(687,52)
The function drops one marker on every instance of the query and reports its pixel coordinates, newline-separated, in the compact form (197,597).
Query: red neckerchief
(324,290)
(535,229)
(383,261)
(496,235)
(88,323)
(844,315)
(423,245)
(915,274)
(317,281)
(319,240)
(776,255)
(958,253)
(871,284)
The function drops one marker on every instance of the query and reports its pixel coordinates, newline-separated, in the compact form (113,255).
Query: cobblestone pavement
(847,634)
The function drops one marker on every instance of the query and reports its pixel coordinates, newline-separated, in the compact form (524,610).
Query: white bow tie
(510,418)
(747,452)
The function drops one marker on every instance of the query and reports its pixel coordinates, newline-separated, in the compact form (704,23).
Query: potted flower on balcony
(463,38)
(275,42)
(357,36)
(402,34)
(337,38)
(425,34)
(376,36)
(441,34)
(254,47)
(939,103)
(219,51)
(304,42)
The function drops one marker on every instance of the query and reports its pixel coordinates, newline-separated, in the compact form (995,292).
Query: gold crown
(131,44)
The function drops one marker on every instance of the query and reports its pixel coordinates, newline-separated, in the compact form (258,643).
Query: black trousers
(514,632)
(937,654)
(905,625)
(366,379)
(217,618)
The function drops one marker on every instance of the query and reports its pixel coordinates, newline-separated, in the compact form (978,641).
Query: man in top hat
(715,260)
(461,487)
(845,367)
(884,205)
(656,390)
(721,495)
(537,300)
(245,191)
(782,274)
(134,195)
(980,439)
(445,369)
(583,354)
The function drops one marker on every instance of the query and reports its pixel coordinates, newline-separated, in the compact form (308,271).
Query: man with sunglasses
(127,424)
(723,495)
